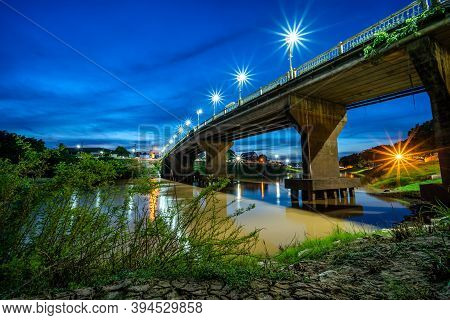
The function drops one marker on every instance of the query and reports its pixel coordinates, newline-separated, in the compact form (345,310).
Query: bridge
(316,96)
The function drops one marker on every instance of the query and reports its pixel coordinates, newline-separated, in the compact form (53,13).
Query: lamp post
(292,38)
(199,112)
(216,98)
(242,77)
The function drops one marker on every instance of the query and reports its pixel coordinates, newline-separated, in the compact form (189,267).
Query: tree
(13,146)
(121,152)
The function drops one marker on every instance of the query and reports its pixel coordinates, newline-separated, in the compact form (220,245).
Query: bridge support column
(319,122)
(179,167)
(216,157)
(432,63)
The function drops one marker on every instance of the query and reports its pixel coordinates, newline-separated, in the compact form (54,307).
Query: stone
(173,295)
(176,283)
(284,286)
(121,285)
(84,293)
(191,287)
(216,285)
(259,285)
(113,295)
(327,274)
(141,288)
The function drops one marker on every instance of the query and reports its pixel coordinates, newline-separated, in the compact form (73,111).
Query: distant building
(250,156)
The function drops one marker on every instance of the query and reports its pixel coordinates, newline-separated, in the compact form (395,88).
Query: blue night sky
(108,73)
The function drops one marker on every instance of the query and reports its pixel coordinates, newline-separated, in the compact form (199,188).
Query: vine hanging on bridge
(385,39)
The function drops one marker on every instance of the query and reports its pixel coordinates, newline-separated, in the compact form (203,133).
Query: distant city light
(277,156)
(78,146)
(287,161)
(133,150)
(238,158)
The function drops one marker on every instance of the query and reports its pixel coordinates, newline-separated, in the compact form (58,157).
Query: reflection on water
(280,223)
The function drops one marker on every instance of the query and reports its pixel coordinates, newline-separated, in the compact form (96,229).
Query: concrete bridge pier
(319,122)
(179,167)
(216,156)
(432,63)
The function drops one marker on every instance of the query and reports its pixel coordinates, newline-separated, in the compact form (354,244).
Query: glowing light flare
(188,123)
(216,97)
(293,38)
(398,156)
(242,76)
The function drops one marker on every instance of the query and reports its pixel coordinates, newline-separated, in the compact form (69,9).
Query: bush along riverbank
(68,236)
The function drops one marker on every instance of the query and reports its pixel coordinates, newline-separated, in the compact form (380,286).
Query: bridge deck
(345,80)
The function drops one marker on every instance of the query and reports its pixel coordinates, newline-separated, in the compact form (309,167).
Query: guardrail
(413,10)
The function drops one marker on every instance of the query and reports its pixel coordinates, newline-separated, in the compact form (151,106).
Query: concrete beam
(432,63)
(216,156)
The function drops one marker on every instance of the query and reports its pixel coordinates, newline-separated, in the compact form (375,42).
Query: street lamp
(215,98)
(242,77)
(199,112)
(292,38)
(188,123)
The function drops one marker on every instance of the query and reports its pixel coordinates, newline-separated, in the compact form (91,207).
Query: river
(282,224)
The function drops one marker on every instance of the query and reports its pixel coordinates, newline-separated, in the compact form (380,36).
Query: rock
(63,296)
(173,295)
(233,295)
(138,289)
(259,285)
(113,295)
(176,283)
(327,274)
(121,285)
(216,285)
(304,253)
(283,286)
(217,293)
(84,293)
(191,287)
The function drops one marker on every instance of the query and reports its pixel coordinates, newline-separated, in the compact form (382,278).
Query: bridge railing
(413,10)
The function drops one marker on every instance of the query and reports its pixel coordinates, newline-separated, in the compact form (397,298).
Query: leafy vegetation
(385,39)
(71,230)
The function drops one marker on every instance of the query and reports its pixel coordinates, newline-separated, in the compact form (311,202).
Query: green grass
(408,180)
(317,247)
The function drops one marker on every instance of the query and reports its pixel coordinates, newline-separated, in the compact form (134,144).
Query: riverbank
(387,266)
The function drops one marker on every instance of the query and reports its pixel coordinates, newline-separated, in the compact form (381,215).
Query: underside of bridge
(316,104)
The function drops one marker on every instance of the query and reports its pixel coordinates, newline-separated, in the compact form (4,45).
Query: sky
(107,73)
